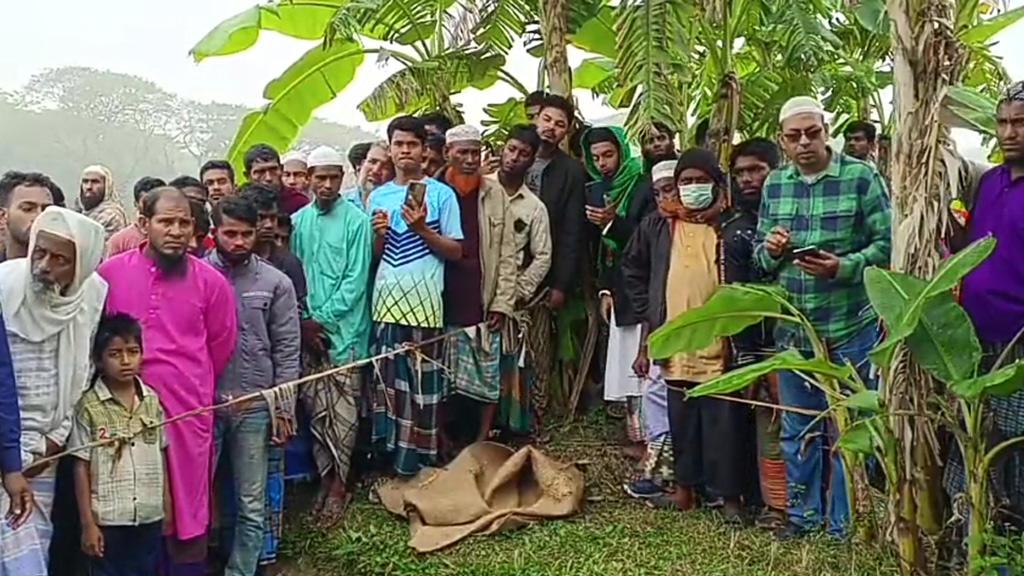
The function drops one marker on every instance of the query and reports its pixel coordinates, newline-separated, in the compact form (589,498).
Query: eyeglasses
(797,136)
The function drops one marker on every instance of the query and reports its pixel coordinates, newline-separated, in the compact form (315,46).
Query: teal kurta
(336,251)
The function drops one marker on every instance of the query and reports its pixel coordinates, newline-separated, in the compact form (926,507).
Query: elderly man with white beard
(52,302)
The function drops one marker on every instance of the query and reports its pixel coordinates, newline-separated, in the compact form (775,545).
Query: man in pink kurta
(189,329)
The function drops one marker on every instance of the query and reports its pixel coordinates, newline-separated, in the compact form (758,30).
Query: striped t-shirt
(410,279)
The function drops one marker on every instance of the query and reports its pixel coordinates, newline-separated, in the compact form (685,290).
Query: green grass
(613,537)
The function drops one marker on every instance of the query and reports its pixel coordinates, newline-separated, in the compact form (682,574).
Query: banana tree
(443,46)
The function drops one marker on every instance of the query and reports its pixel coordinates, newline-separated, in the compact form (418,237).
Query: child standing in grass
(121,490)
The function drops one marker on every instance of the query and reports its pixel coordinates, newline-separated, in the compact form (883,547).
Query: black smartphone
(595,192)
(416,192)
(799,253)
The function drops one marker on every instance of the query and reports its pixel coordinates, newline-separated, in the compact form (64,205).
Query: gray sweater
(267,353)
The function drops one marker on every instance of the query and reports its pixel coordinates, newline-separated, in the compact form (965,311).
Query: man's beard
(171,264)
(653,159)
(45,289)
(749,202)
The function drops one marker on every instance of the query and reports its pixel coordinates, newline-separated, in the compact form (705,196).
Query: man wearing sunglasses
(823,220)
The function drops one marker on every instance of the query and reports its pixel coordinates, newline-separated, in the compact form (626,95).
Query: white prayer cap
(325,156)
(663,169)
(800,105)
(293,156)
(463,133)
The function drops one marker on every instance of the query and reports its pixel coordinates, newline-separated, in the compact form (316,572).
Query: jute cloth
(486,489)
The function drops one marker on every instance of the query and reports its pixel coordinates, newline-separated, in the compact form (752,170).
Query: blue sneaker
(643,489)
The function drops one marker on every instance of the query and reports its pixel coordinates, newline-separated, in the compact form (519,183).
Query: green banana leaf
(969,109)
(946,278)
(303,19)
(312,81)
(943,343)
(730,309)
(985,30)
(858,439)
(790,360)
(1003,382)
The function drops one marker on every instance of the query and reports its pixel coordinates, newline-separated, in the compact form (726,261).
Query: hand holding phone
(800,253)
(415,193)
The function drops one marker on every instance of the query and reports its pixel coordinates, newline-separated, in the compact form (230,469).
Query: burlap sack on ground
(487,488)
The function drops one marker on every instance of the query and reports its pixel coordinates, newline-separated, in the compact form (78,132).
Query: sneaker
(643,489)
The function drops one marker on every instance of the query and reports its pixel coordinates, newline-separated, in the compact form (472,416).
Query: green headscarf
(631,169)
(623,184)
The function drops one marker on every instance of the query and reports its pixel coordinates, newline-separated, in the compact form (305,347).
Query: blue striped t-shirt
(410,279)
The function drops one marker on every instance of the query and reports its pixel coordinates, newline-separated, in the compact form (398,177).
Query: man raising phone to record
(418,227)
(823,220)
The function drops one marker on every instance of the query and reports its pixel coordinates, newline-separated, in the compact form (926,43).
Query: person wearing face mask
(672,265)
(618,198)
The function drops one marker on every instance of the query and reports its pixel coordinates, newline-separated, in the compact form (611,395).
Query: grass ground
(612,537)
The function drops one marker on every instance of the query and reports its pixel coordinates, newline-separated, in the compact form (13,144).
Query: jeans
(816,485)
(129,551)
(246,438)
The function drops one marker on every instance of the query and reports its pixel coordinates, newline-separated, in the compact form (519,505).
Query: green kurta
(336,251)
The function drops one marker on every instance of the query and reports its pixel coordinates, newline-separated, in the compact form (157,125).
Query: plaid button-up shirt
(845,211)
(127,481)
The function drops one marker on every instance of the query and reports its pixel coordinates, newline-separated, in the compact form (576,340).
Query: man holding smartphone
(836,208)
(418,228)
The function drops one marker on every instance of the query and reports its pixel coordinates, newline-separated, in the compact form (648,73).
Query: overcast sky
(151,38)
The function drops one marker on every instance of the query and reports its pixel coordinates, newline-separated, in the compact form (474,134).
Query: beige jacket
(532,232)
(497,248)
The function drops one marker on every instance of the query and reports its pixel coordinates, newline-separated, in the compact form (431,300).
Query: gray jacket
(268,322)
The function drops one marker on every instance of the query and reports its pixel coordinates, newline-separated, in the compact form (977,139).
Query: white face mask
(696,196)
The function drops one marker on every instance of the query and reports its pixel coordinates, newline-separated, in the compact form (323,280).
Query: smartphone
(595,193)
(799,253)
(415,193)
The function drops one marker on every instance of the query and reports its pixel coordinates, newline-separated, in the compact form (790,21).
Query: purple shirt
(993,293)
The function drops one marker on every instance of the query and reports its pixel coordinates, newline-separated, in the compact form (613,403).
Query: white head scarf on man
(71,316)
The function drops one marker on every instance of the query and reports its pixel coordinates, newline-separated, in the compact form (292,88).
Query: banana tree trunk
(554,23)
(928,58)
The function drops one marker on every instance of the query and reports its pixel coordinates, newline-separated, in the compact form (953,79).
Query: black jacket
(621,230)
(646,261)
(561,189)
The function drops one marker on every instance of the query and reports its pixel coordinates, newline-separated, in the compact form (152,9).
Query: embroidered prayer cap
(800,105)
(663,170)
(325,156)
(293,156)
(1014,93)
(463,133)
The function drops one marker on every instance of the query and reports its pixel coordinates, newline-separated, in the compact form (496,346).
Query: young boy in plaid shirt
(121,489)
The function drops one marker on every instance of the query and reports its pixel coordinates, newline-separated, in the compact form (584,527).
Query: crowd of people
(226,295)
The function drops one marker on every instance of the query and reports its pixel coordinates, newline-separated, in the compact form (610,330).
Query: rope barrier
(248,398)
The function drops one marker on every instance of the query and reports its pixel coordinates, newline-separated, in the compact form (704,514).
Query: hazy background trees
(64,119)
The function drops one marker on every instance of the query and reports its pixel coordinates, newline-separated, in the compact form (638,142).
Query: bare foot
(634,451)
(333,511)
(321,497)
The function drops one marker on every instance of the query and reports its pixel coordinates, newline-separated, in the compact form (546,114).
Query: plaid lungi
(1006,478)
(474,357)
(408,390)
(24,552)
(331,403)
